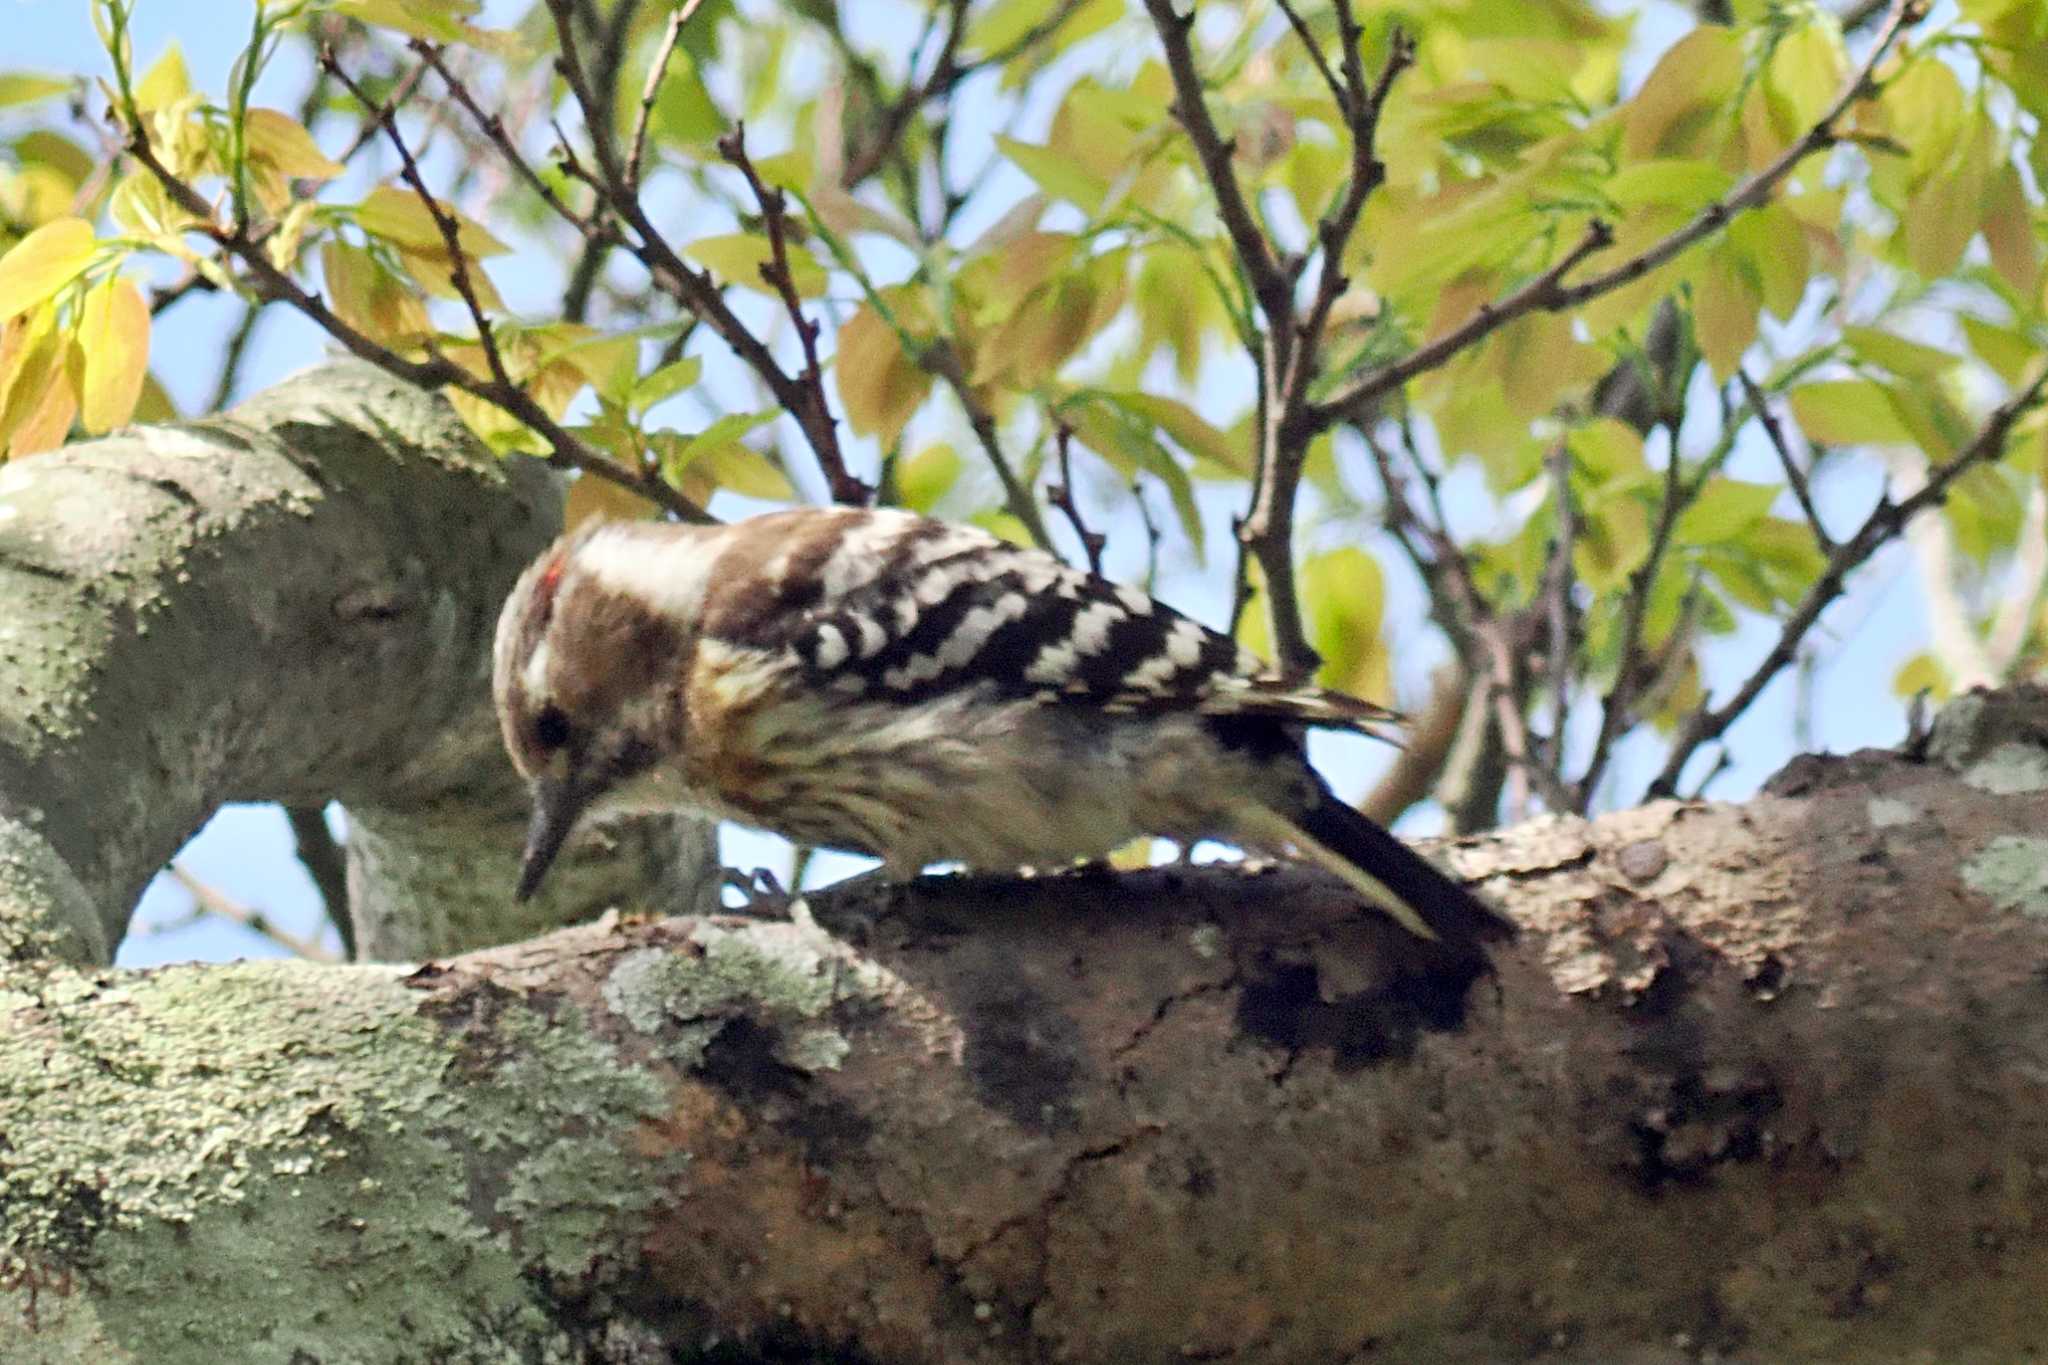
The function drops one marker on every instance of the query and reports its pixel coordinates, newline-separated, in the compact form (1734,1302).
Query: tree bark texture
(1759,1082)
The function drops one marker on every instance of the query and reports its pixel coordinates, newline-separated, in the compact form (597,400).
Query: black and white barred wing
(908,608)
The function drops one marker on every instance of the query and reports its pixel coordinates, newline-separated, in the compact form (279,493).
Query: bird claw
(760,891)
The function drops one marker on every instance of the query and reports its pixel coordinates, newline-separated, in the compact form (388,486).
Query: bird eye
(551,728)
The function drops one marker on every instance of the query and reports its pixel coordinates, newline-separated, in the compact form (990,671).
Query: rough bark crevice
(1758,1082)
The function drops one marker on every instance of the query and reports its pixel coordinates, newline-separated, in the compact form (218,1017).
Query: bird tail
(1390,875)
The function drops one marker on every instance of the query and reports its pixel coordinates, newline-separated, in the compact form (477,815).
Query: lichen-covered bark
(294,602)
(1760,1082)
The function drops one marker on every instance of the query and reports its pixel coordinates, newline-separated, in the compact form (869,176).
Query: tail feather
(1394,877)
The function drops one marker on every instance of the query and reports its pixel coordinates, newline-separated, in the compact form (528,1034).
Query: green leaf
(1724,510)
(1847,412)
(1613,541)
(927,476)
(2006,351)
(678,453)
(1344,596)
(28,87)
(1055,173)
(738,258)
(1003,24)
(1906,359)
(43,262)
(1607,451)
(1921,673)
(1124,440)
(666,382)
(1679,182)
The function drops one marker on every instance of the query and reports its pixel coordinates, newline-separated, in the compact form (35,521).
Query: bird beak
(556,804)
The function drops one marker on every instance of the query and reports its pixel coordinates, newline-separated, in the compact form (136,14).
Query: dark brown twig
(325,863)
(1061,496)
(1883,525)
(814,414)
(1548,292)
(1793,474)
(267,281)
(636,147)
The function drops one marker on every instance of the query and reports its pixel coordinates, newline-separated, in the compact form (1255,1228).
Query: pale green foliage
(1016,237)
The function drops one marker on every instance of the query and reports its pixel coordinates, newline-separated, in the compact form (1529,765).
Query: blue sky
(246,851)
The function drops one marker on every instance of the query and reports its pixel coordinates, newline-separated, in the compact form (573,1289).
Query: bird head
(588,676)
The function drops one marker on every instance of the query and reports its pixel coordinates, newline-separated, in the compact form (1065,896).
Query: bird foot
(761,894)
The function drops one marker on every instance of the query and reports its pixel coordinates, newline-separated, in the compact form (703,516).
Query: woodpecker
(920,692)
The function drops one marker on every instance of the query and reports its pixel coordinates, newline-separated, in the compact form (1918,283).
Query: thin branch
(270,283)
(216,902)
(663,55)
(814,413)
(324,862)
(1062,497)
(1556,599)
(1548,292)
(1269,282)
(942,360)
(1794,475)
(1545,293)
(1427,741)
(1315,54)
(1883,525)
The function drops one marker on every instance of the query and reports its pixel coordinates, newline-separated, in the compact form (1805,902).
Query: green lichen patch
(2012,871)
(789,971)
(2010,769)
(360,1182)
(1888,812)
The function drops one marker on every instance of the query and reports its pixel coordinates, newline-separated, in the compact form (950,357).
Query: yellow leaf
(31,359)
(369,298)
(927,476)
(434,271)
(113,339)
(1725,309)
(49,421)
(738,257)
(593,498)
(1806,73)
(1345,594)
(1921,673)
(284,142)
(2009,231)
(1614,537)
(1689,88)
(880,386)
(166,82)
(43,262)
(1847,412)
(401,216)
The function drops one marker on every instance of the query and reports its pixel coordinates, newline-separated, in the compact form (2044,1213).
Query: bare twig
(1878,529)
(1062,497)
(324,862)
(1556,599)
(1269,282)
(216,902)
(815,413)
(1545,293)
(1794,475)
(267,281)
(1315,54)
(636,148)
(1427,741)
(942,360)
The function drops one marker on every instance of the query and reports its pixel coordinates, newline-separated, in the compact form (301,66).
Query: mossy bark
(1759,1082)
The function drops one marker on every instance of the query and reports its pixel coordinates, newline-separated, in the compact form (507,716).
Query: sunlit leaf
(927,476)
(594,499)
(284,142)
(1845,412)
(113,342)
(880,386)
(43,262)
(1612,542)
(1906,359)
(166,82)
(1689,88)
(2006,351)
(667,382)
(28,87)
(1058,175)
(1922,673)
(1344,595)
(1724,510)
(738,258)
(401,216)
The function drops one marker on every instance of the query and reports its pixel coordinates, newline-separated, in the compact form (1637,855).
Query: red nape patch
(544,587)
